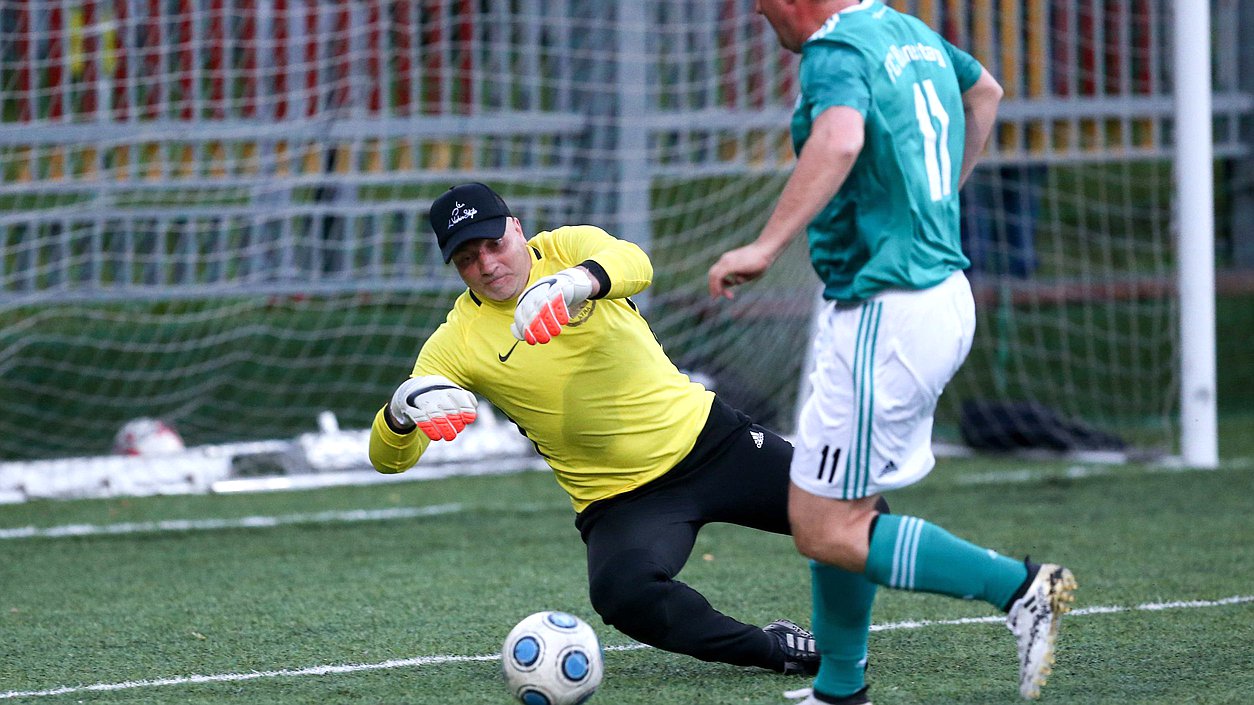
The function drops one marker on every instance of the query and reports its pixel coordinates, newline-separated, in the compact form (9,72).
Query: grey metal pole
(631,144)
(1243,176)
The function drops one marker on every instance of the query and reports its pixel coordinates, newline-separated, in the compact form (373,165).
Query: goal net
(213,212)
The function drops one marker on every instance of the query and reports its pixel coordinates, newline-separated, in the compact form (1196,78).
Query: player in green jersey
(890,122)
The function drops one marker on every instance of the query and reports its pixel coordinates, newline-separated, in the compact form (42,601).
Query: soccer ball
(146,437)
(552,658)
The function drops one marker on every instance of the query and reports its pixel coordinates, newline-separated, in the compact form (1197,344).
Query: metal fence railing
(184,147)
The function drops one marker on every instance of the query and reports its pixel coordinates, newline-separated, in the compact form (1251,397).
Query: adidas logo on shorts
(758,437)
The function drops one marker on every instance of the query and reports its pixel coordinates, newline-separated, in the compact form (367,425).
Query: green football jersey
(894,222)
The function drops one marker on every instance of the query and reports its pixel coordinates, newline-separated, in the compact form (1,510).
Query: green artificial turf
(432,591)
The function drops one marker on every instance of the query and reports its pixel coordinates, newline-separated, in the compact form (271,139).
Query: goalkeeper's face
(496,269)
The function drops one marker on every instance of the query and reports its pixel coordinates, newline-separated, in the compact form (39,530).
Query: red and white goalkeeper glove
(436,405)
(545,306)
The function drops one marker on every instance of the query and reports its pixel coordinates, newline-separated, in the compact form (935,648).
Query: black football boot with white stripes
(801,656)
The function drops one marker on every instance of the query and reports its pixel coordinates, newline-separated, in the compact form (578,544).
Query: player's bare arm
(822,167)
(979,103)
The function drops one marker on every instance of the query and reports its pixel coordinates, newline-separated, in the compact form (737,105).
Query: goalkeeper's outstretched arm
(391,451)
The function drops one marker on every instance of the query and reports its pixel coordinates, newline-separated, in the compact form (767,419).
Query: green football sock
(842,622)
(910,554)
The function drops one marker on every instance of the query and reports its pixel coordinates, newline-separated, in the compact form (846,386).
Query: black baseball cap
(467,212)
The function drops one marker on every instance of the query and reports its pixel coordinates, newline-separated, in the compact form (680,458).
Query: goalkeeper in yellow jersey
(548,334)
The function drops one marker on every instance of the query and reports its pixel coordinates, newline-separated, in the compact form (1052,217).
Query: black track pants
(637,542)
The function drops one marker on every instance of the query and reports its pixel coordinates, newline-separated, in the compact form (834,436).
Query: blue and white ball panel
(534,697)
(563,621)
(526,652)
(575,665)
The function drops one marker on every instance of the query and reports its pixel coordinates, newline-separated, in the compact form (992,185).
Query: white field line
(249,522)
(1076,472)
(1081,472)
(436,660)
(1082,612)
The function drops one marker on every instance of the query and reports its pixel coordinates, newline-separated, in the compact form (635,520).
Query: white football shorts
(880,368)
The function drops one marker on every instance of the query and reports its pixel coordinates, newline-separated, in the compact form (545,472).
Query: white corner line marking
(436,660)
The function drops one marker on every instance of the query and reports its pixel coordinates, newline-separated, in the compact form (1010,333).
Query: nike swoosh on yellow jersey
(505,357)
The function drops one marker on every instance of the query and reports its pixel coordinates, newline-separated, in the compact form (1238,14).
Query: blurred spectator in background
(999,211)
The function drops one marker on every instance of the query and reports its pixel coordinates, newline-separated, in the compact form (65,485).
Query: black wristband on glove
(598,273)
(394,424)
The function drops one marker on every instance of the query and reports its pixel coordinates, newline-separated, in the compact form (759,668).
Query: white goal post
(1195,193)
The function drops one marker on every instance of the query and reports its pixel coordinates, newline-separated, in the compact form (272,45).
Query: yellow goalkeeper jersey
(602,403)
